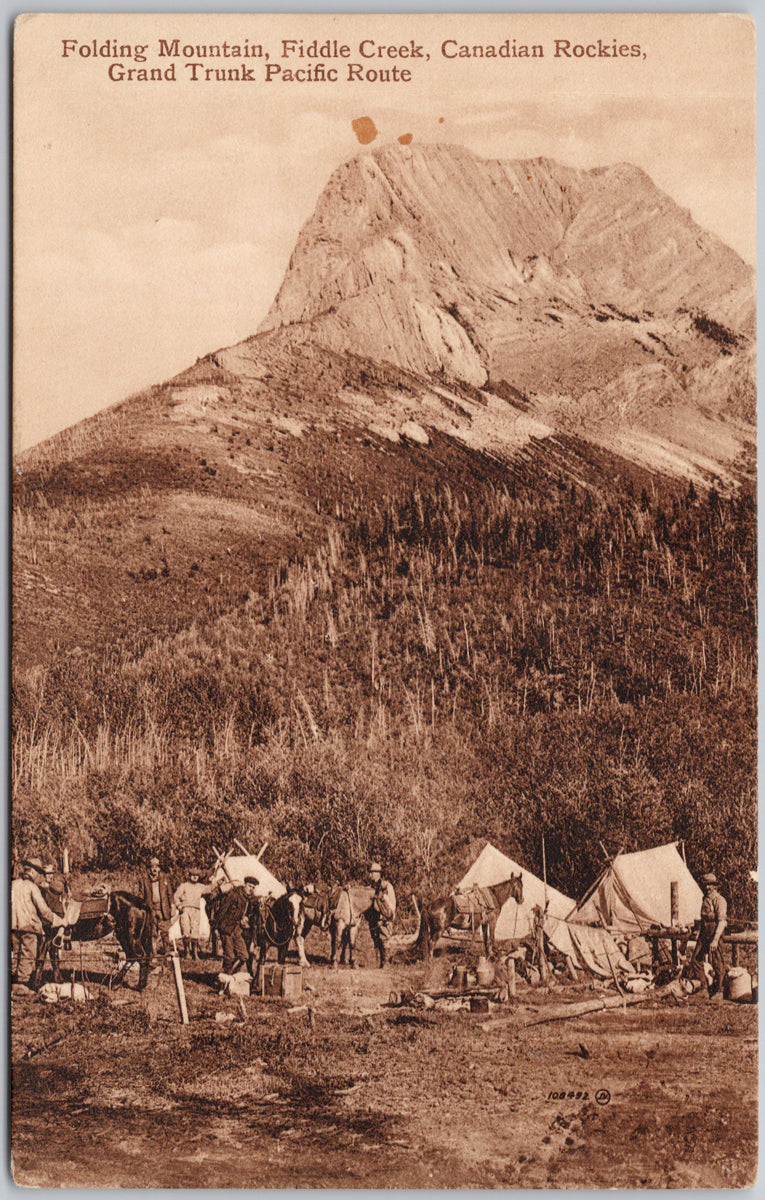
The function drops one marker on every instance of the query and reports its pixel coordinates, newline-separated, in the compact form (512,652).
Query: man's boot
(185,947)
(383,955)
(194,954)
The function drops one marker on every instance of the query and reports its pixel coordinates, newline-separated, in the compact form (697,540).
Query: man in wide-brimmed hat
(54,890)
(714,914)
(381,911)
(29,915)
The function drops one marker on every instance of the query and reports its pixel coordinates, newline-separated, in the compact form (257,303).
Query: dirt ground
(346,1091)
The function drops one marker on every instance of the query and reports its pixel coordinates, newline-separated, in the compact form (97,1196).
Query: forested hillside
(513,661)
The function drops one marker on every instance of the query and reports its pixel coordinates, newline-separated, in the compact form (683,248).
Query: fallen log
(567,1011)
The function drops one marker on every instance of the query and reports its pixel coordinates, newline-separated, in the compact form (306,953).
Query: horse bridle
(268,906)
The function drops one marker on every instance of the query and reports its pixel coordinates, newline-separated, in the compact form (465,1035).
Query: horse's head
(516,887)
(295,907)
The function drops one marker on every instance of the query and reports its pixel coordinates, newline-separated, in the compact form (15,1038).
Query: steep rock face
(437,261)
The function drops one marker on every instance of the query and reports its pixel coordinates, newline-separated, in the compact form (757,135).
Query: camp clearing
(507,49)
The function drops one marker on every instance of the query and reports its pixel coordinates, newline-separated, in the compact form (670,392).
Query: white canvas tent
(633,892)
(239,866)
(515,920)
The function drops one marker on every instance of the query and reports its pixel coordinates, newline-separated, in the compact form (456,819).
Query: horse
(348,906)
(483,903)
(278,922)
(121,913)
(315,912)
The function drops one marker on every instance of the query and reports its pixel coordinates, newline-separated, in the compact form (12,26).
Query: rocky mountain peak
(428,257)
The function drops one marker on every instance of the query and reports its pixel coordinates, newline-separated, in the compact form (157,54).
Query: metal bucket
(484,972)
(460,978)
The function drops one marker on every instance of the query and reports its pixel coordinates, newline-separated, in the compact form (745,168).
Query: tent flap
(588,948)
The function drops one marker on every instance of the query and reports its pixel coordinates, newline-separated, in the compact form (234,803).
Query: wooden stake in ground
(180,991)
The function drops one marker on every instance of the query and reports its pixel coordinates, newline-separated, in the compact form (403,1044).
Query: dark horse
(120,913)
(481,904)
(278,922)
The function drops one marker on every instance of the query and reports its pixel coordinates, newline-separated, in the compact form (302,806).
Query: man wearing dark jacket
(233,915)
(155,889)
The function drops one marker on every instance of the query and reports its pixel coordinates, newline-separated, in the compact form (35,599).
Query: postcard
(384,647)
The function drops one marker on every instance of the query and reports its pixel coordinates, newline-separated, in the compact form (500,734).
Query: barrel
(737,984)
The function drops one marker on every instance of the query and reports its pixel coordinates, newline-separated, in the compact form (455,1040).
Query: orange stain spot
(405,139)
(365,130)
(440,120)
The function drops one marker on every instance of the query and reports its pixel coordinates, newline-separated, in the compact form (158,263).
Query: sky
(154,221)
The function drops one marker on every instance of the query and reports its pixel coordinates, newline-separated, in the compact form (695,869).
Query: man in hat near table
(381,911)
(714,914)
(155,890)
(29,916)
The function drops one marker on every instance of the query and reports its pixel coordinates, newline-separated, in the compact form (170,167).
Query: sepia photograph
(384,602)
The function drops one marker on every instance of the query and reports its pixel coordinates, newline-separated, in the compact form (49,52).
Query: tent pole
(544,870)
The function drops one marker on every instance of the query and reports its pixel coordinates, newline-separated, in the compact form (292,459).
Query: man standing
(232,917)
(381,912)
(714,913)
(53,890)
(28,912)
(188,899)
(155,890)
